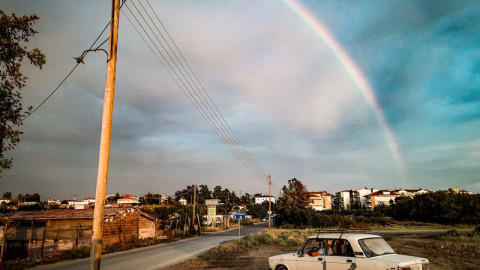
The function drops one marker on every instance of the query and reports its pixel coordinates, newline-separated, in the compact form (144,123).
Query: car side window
(314,247)
(339,247)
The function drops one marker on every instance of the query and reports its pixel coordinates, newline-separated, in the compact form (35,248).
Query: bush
(453,233)
(75,253)
(476,230)
(280,237)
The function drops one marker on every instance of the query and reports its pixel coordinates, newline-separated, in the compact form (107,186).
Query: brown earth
(442,254)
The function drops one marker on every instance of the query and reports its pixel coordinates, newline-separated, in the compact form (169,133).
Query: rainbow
(363,85)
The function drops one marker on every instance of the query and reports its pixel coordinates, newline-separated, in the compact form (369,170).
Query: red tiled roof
(380,193)
(128,198)
(321,193)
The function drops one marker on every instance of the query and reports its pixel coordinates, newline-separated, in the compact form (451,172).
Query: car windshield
(375,247)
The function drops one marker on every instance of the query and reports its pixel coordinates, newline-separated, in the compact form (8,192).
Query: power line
(183,88)
(231,138)
(186,91)
(68,75)
(205,97)
(215,122)
(202,102)
(208,113)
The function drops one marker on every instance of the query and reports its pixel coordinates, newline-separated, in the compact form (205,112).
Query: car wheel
(281,267)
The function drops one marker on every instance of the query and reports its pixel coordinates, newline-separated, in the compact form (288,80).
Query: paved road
(159,256)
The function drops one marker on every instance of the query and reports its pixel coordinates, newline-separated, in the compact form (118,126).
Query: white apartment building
(261,199)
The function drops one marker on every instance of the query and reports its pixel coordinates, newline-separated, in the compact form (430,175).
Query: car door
(308,260)
(339,255)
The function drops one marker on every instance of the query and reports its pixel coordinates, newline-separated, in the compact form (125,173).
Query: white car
(346,250)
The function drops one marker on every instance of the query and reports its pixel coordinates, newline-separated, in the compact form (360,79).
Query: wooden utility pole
(4,242)
(102,177)
(269,201)
(194,202)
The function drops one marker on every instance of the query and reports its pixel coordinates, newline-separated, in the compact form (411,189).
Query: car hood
(396,258)
(283,256)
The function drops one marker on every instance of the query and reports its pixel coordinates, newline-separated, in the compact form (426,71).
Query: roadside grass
(426,227)
(76,253)
(458,236)
(255,249)
(295,237)
(281,237)
(211,230)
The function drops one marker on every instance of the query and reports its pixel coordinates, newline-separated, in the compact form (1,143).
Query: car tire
(281,267)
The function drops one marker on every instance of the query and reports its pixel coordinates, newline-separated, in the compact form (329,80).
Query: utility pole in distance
(102,177)
(194,202)
(269,201)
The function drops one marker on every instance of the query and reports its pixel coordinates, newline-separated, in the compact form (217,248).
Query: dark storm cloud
(283,92)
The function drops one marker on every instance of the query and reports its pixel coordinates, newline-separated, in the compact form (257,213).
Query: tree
(217,192)
(14,31)
(296,194)
(7,195)
(204,193)
(259,210)
(186,193)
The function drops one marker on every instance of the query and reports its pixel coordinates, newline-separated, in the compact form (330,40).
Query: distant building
(89,200)
(71,202)
(411,192)
(321,201)
(354,198)
(155,198)
(128,200)
(261,199)
(341,200)
(457,190)
(385,197)
(359,196)
(28,203)
(53,202)
(128,196)
(164,198)
(82,205)
(5,200)
(182,201)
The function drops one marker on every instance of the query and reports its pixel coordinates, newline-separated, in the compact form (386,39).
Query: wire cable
(68,75)
(203,88)
(196,105)
(183,86)
(202,102)
(232,138)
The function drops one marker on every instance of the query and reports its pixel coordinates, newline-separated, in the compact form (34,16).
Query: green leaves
(14,32)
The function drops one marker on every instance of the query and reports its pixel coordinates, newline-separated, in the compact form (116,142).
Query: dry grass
(444,253)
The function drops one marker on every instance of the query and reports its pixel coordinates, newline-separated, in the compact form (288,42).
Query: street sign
(212,213)
(239,215)
(211,202)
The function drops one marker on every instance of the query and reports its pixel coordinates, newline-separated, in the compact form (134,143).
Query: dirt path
(443,255)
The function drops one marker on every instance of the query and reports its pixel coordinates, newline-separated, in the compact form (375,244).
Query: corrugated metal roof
(57,214)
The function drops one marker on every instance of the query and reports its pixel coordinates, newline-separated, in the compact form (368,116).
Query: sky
(289,96)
